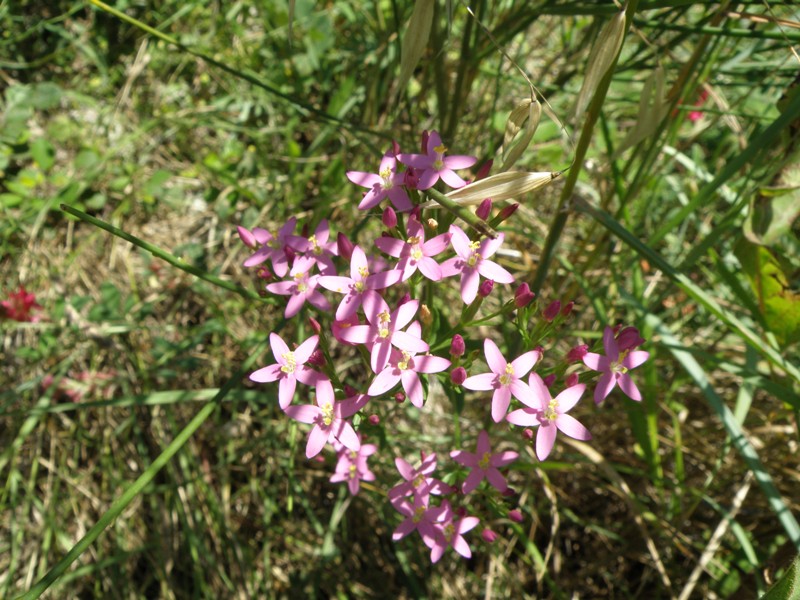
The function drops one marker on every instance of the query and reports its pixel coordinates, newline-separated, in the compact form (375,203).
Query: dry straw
(604,53)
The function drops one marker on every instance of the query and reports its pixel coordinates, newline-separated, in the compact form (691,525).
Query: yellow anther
(363,271)
(484,461)
(403,364)
(290,362)
(551,412)
(327,414)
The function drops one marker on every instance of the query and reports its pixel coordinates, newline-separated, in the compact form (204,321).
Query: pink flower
(419,517)
(615,366)
(549,414)
(418,481)
(404,367)
(472,261)
(451,533)
(289,369)
(20,306)
(383,330)
(272,246)
(387,183)
(318,248)
(351,466)
(329,421)
(484,465)
(415,253)
(435,165)
(302,288)
(505,378)
(359,284)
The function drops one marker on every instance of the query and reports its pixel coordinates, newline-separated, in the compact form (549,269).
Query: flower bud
(403,299)
(458,375)
(432,224)
(350,391)
(457,346)
(572,379)
(344,245)
(264,273)
(411,178)
(628,339)
(577,353)
(425,315)
(314,324)
(484,209)
(484,170)
(247,237)
(485,288)
(567,310)
(399,397)
(395,147)
(515,515)
(488,536)
(509,492)
(290,254)
(423,143)
(506,212)
(317,358)
(389,217)
(527,433)
(374,420)
(523,296)
(549,380)
(552,310)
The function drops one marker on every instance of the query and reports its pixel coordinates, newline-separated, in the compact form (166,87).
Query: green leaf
(43,153)
(771,216)
(45,95)
(779,304)
(788,587)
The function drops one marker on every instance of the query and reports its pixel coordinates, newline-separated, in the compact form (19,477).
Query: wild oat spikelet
(415,39)
(603,57)
(528,112)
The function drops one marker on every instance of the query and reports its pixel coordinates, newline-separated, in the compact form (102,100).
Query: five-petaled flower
(301,287)
(351,466)
(451,533)
(472,261)
(415,253)
(20,306)
(615,366)
(318,248)
(290,368)
(404,367)
(505,378)
(418,480)
(388,183)
(484,465)
(549,414)
(272,246)
(434,165)
(329,420)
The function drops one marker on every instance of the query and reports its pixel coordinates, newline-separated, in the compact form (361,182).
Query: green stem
(562,212)
(461,212)
(159,253)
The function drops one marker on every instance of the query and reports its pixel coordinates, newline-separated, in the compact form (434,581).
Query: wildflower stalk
(463,213)
(592,115)
(165,256)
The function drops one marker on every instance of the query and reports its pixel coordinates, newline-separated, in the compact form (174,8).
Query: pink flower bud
(395,147)
(527,433)
(416,213)
(515,515)
(264,273)
(389,217)
(461,512)
(507,212)
(424,142)
(399,397)
(523,296)
(247,237)
(548,381)
(317,358)
(403,299)
(344,245)
(374,420)
(577,353)
(484,209)
(314,324)
(572,379)
(484,170)
(488,536)
(411,178)
(458,375)
(457,346)
(290,253)
(552,310)
(486,288)
(628,339)
(350,391)
(567,310)
(509,492)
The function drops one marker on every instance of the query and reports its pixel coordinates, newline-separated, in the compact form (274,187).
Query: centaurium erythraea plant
(396,316)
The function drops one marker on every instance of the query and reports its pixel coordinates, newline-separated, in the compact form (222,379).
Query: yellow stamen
(291,362)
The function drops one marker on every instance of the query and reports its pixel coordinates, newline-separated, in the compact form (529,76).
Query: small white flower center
(386,178)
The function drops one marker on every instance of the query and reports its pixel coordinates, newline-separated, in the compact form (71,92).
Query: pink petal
(469,285)
(335,283)
(491,245)
(293,306)
(596,362)
(348,436)
(316,441)
(635,358)
(405,313)
(494,358)
(468,459)
(412,387)
(267,374)
(430,268)
(523,393)
(523,364)
(418,161)
(569,397)
(392,246)
(404,468)
(257,258)
(627,386)
(500,401)
(570,426)
(460,242)
(434,140)
(305,413)
(348,306)
(379,281)
(286,388)
(610,345)
(363,179)
(304,350)
(472,481)
(379,357)
(482,446)
(355,334)
(409,343)
(317,299)
(282,288)
(451,179)
(385,381)
(545,439)
(399,198)
(504,458)
(605,384)
(427,179)
(404,529)
(467,524)
(430,364)
(524,417)
(437,245)
(491,270)
(452,266)
(540,391)
(482,382)
(497,480)
(373,306)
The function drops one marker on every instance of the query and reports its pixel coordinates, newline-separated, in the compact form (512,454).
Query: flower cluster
(388,303)
(20,306)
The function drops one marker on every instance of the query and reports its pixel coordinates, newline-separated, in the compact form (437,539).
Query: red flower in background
(20,306)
